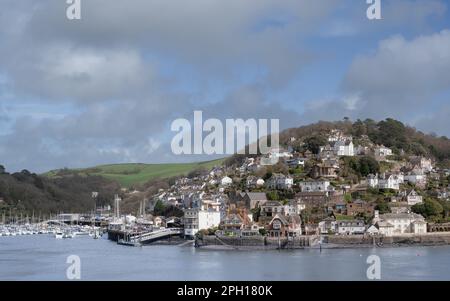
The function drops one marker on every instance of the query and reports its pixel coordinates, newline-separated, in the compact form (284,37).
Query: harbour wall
(328,241)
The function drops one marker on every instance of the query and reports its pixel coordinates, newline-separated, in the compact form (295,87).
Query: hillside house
(279,181)
(254,182)
(316,186)
(385,181)
(382,151)
(360,207)
(323,171)
(413,198)
(344,148)
(226,181)
(416,177)
(421,163)
(254,199)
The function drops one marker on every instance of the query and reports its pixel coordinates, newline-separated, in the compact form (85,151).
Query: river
(42,257)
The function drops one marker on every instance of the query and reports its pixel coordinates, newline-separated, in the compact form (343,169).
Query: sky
(106,88)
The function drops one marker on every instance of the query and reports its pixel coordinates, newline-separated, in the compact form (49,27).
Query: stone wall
(406,239)
(256,241)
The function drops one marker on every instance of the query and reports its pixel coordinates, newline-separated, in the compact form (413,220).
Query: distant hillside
(130,174)
(402,138)
(24,193)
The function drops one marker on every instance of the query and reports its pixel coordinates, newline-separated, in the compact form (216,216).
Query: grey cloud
(396,15)
(400,79)
(214,36)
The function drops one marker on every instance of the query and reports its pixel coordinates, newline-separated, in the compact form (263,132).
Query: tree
(2,169)
(368,165)
(429,208)
(273,195)
(383,207)
(313,143)
(159,208)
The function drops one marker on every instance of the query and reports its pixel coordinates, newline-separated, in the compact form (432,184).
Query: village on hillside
(347,188)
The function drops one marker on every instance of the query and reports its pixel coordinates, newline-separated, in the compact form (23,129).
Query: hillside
(26,193)
(131,174)
(403,139)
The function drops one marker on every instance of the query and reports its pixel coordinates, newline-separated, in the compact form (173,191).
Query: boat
(68,234)
(59,235)
(124,242)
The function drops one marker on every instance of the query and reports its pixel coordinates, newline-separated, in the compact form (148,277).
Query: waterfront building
(328,225)
(351,227)
(285,226)
(203,218)
(402,223)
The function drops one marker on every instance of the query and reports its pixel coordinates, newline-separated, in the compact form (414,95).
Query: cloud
(106,88)
(64,72)
(400,15)
(402,79)
(217,37)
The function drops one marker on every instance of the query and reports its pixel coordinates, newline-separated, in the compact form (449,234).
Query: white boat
(58,235)
(68,234)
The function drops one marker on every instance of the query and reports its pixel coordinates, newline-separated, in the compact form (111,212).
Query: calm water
(42,257)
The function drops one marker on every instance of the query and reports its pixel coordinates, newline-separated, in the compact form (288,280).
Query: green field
(135,173)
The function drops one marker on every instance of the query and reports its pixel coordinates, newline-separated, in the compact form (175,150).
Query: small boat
(59,235)
(68,235)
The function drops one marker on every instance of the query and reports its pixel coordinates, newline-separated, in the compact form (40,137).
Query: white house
(253,182)
(390,182)
(338,135)
(385,228)
(383,151)
(413,198)
(416,177)
(351,227)
(328,225)
(296,162)
(226,181)
(422,163)
(372,230)
(402,223)
(206,217)
(344,148)
(279,153)
(279,181)
(385,181)
(315,186)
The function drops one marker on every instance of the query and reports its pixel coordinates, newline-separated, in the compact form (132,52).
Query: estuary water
(42,257)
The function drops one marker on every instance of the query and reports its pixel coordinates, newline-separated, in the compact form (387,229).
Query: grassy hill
(135,173)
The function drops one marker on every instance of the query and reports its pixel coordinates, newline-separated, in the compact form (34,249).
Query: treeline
(26,192)
(392,133)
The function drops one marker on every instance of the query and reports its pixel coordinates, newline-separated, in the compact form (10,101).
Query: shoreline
(324,242)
